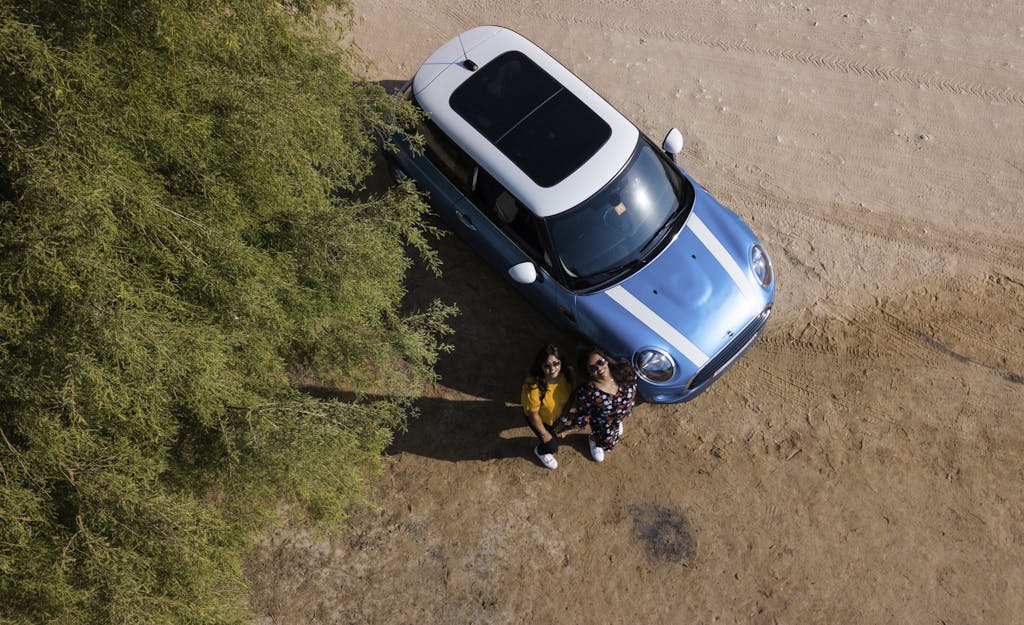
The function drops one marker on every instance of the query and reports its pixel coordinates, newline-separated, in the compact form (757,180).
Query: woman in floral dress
(604,400)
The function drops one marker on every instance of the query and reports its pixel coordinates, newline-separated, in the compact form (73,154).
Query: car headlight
(654,365)
(761,264)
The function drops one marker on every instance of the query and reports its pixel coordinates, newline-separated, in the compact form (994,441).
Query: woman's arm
(577,413)
(564,424)
(533,417)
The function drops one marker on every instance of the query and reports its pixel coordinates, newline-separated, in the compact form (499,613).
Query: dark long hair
(537,368)
(621,370)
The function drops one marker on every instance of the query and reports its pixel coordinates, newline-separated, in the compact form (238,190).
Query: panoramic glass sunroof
(538,124)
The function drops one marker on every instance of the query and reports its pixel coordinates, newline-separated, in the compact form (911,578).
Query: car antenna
(468,64)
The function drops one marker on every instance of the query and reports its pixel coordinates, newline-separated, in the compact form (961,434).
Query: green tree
(183,226)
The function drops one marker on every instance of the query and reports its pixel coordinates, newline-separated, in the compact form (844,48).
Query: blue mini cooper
(590,220)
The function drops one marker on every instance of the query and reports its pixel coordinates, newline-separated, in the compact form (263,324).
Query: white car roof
(444,72)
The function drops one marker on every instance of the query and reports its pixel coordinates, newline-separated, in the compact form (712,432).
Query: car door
(508,234)
(442,170)
(487,217)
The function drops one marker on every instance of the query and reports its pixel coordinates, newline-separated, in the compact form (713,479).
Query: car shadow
(496,335)
(473,411)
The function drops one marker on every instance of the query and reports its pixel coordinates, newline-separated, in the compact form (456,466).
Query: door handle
(466,221)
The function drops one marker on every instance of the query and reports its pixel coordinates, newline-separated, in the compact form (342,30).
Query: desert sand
(864,463)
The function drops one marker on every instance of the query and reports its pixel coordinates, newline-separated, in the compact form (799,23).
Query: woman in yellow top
(546,392)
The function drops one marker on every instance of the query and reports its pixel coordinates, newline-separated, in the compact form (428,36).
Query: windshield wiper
(642,256)
(659,236)
(600,276)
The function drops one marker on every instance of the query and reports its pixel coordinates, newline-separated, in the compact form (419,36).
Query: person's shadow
(452,430)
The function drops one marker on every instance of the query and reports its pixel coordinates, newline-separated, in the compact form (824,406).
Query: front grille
(731,351)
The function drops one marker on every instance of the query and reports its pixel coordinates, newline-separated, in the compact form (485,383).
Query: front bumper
(725,358)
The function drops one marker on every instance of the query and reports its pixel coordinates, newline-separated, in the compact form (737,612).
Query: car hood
(691,299)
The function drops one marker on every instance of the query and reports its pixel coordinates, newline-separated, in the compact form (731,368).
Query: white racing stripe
(651,319)
(723,256)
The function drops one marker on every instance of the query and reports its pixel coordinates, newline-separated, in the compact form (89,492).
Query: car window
(455,164)
(511,215)
(541,126)
(626,220)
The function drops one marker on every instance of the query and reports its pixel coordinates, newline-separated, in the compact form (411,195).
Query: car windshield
(622,225)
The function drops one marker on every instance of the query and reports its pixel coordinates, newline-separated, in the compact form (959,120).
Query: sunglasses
(597,364)
(551,365)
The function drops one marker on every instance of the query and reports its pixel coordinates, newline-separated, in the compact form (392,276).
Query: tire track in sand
(829,62)
(897,231)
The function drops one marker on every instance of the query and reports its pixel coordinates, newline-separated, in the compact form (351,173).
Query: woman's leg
(605,433)
(549,447)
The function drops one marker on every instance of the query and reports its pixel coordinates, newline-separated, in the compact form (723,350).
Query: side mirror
(673,143)
(523,273)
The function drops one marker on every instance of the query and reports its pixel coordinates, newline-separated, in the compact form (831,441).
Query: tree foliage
(178,234)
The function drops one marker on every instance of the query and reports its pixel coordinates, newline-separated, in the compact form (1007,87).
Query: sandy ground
(862,464)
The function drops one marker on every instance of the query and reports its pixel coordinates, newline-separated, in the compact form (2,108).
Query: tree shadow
(392,86)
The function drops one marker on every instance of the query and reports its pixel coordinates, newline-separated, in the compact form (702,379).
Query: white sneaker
(597,453)
(547,460)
